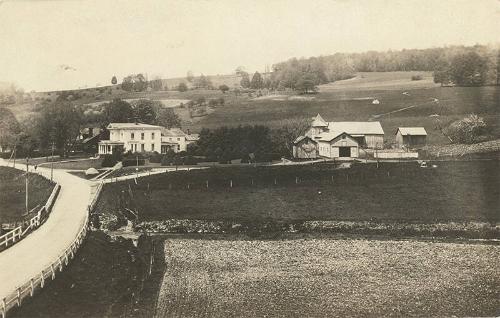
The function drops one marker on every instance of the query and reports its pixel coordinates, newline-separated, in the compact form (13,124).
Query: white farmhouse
(136,137)
(132,137)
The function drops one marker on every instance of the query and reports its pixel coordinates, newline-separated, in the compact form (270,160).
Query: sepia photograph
(249,158)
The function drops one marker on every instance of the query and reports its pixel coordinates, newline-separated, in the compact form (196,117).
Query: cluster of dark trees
(249,143)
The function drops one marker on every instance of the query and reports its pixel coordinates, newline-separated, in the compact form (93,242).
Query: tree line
(461,65)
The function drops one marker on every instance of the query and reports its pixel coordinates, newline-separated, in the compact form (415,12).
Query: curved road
(18,264)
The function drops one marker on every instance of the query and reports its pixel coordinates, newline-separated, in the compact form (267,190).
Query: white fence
(22,230)
(49,272)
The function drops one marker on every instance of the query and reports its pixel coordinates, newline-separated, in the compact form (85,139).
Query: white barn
(337,145)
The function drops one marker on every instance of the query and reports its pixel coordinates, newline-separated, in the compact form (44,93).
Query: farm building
(368,134)
(305,147)
(411,136)
(337,145)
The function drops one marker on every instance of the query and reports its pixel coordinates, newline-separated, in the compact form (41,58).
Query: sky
(67,44)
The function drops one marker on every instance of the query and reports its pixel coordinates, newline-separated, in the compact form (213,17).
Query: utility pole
(137,166)
(27,195)
(52,163)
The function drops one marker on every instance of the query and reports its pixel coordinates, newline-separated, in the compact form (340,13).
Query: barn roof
(357,127)
(413,131)
(319,122)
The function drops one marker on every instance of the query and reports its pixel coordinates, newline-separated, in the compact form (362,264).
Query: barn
(305,147)
(337,145)
(368,134)
(411,137)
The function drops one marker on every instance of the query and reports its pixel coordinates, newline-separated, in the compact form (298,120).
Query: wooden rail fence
(49,273)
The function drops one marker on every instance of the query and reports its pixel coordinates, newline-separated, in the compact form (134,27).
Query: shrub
(128,162)
(155,157)
(417,78)
(467,130)
(166,161)
(190,160)
(109,161)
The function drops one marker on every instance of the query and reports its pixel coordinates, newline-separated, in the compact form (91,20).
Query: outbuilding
(411,137)
(305,147)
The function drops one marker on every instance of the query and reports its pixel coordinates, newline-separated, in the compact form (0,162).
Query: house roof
(329,136)
(300,138)
(132,126)
(319,122)
(357,127)
(192,137)
(172,132)
(413,131)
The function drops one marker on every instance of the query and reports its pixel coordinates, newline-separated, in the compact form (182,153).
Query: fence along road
(26,260)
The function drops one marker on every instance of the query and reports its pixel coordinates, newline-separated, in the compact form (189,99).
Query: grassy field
(100,282)
(352,100)
(454,191)
(12,193)
(321,277)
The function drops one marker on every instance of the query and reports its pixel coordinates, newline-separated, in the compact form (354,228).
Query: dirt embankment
(491,147)
(107,279)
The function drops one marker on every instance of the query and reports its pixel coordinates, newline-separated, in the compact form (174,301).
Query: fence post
(42,279)
(231,183)
(4,308)
(207,184)
(32,287)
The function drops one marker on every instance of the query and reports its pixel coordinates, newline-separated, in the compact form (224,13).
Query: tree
(134,82)
(114,81)
(305,83)
(203,82)
(59,123)
(284,137)
(257,81)
(182,87)
(168,118)
(467,130)
(156,84)
(469,69)
(245,80)
(189,76)
(9,129)
(223,88)
(117,111)
(145,110)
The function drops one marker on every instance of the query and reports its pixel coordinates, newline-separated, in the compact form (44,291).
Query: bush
(130,162)
(467,130)
(417,78)
(190,160)
(166,161)
(155,157)
(109,161)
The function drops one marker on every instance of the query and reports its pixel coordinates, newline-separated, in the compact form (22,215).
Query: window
(178,147)
(170,138)
(178,139)
(343,137)
(153,135)
(132,136)
(142,147)
(142,136)
(153,146)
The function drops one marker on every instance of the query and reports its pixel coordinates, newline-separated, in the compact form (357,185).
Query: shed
(411,136)
(305,147)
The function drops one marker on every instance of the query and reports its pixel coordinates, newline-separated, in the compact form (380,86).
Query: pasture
(324,277)
(395,192)
(12,193)
(351,100)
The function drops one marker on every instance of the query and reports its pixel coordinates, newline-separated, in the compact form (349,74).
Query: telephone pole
(27,195)
(52,163)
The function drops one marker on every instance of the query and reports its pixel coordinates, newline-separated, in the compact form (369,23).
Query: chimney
(188,132)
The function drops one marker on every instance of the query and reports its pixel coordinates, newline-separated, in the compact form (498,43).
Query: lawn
(454,191)
(12,193)
(323,277)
